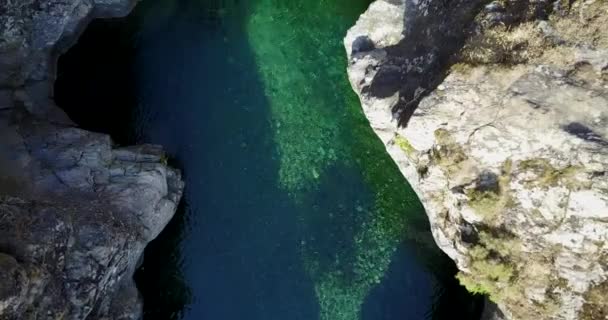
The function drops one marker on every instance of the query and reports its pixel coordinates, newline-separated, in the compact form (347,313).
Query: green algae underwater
(315,184)
(319,126)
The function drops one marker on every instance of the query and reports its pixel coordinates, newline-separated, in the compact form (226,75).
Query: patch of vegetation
(447,153)
(583,24)
(164,160)
(492,270)
(489,203)
(519,39)
(500,269)
(547,176)
(513,37)
(483,202)
(553,302)
(503,45)
(405,145)
(596,304)
(443,136)
(461,68)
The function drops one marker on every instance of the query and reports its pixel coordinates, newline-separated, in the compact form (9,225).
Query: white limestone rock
(510,161)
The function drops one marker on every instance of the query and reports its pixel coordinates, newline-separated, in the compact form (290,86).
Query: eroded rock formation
(76,211)
(497,114)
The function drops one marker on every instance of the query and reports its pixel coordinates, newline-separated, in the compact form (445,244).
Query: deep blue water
(182,73)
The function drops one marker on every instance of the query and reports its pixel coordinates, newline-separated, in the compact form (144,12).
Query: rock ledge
(76,211)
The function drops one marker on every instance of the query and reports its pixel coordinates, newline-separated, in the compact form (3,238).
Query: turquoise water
(293,209)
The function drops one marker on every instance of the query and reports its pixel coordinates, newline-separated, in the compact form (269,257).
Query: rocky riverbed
(497,114)
(76,211)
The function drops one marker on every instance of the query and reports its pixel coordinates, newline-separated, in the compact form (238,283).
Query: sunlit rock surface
(499,120)
(76,211)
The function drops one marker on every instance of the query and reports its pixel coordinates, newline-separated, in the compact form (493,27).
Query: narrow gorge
(288,130)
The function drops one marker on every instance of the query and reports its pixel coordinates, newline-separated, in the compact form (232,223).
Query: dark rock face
(32,30)
(76,212)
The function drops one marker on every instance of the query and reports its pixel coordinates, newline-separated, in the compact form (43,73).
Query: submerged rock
(76,211)
(498,117)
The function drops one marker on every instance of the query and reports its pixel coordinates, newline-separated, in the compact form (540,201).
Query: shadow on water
(399,292)
(161,281)
(241,248)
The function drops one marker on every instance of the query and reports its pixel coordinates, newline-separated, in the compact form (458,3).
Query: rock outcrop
(497,114)
(76,211)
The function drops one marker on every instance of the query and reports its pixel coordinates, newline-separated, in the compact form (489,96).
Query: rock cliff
(76,211)
(497,114)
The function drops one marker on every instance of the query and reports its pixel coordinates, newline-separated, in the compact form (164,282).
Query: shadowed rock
(76,212)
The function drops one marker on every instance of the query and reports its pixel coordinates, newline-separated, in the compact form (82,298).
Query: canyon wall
(497,114)
(76,211)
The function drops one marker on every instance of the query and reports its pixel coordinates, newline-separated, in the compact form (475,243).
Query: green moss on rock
(405,145)
(484,202)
